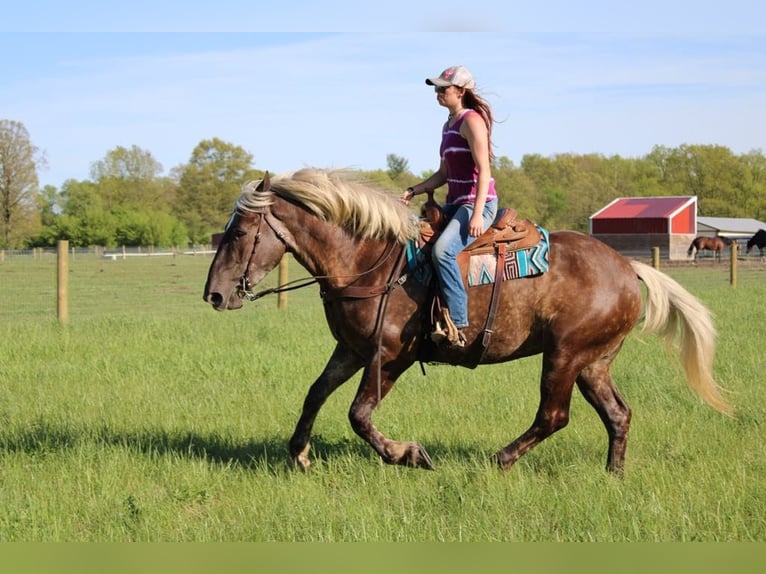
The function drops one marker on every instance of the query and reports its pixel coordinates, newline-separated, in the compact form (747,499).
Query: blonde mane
(339,199)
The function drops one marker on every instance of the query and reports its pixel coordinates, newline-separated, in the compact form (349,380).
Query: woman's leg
(452,241)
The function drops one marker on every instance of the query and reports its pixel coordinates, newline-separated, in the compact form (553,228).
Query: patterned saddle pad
(482,268)
(527,262)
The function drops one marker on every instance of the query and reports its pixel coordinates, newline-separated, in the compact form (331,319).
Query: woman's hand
(476,225)
(407,195)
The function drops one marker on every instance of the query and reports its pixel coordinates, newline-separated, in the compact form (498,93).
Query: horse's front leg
(369,395)
(339,369)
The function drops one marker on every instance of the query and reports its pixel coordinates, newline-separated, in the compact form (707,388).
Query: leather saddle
(507,229)
(507,233)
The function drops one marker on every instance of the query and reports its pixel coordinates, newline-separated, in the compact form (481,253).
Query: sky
(339,84)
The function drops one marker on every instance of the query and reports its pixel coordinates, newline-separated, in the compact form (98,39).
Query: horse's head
(248,251)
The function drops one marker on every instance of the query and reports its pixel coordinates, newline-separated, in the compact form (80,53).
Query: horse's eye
(239,233)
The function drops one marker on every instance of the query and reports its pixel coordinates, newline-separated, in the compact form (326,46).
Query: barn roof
(644,207)
(730,225)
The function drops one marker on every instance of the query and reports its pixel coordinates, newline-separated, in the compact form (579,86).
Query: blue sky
(596,78)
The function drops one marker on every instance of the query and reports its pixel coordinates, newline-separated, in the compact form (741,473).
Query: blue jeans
(451,242)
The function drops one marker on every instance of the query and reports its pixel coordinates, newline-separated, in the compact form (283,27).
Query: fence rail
(106,252)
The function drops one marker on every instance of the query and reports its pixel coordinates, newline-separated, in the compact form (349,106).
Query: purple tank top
(462,173)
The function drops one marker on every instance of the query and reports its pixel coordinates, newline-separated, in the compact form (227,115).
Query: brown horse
(352,239)
(714,244)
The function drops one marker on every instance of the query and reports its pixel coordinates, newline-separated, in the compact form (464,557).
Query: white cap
(453,76)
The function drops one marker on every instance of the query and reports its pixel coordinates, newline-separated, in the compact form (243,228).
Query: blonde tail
(684,324)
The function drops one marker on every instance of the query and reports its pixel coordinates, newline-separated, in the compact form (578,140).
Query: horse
(757,240)
(352,238)
(714,244)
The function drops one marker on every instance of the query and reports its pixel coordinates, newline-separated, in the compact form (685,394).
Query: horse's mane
(337,197)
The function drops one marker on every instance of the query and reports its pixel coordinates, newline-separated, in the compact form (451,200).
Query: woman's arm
(437,179)
(474,130)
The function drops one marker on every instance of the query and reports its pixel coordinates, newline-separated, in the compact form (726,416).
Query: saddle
(506,234)
(506,230)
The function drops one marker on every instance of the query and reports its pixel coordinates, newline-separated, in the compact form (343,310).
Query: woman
(471,203)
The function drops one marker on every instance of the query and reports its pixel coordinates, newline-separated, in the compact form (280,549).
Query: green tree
(83,220)
(754,166)
(77,197)
(49,204)
(515,189)
(130,177)
(148,228)
(397,166)
(19,161)
(717,177)
(209,184)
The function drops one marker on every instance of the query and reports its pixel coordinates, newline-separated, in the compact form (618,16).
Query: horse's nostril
(215,299)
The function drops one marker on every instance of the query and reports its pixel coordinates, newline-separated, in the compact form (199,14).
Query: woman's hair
(473,101)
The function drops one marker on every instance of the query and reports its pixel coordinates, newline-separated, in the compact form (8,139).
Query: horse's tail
(685,324)
(691,248)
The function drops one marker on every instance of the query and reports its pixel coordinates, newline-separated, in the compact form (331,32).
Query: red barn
(634,225)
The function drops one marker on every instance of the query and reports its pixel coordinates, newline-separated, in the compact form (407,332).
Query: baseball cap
(453,76)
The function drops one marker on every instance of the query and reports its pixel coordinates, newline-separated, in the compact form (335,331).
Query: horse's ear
(265,183)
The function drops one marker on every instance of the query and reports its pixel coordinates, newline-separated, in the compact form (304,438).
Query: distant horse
(354,241)
(758,240)
(714,244)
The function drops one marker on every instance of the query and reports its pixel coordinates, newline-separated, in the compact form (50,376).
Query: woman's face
(449,96)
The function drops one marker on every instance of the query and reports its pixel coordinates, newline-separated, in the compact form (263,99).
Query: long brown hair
(474,102)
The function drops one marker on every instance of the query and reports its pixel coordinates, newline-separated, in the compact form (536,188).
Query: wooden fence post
(62,290)
(656,257)
(282,297)
(733,269)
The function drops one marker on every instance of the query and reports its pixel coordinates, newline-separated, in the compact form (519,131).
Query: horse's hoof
(420,458)
(301,460)
(502,460)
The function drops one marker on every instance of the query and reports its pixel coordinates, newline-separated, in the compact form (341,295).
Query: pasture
(149,417)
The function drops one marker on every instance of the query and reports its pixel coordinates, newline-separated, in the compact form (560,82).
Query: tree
(209,184)
(397,166)
(754,163)
(80,196)
(19,160)
(130,177)
(48,201)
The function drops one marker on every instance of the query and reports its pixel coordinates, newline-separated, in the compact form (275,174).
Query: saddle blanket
(522,263)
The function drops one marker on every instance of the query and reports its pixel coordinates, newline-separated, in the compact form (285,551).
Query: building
(635,225)
(739,228)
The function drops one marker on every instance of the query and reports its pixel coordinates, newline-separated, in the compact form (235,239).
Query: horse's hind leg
(339,369)
(597,386)
(553,413)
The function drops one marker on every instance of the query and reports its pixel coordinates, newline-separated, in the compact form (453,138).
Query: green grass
(149,417)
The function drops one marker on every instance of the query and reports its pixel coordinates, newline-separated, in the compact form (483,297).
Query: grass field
(149,417)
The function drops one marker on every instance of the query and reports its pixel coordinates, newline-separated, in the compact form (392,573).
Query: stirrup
(459,341)
(439,335)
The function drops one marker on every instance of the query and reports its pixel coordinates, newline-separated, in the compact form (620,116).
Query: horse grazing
(353,240)
(714,244)
(758,240)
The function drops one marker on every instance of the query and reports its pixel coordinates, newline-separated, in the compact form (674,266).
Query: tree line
(128,200)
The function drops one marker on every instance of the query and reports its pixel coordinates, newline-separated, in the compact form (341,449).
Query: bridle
(245,287)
